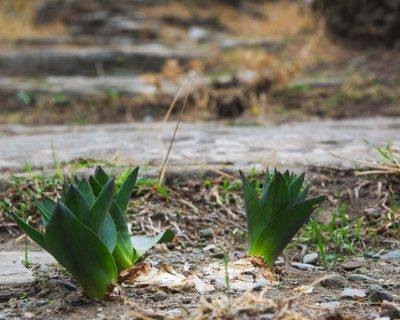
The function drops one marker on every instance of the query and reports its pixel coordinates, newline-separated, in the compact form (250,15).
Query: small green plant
(273,220)
(86,230)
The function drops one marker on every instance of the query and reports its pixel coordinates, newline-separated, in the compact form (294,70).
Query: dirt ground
(208,216)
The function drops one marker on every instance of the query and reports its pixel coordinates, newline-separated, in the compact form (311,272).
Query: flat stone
(353,264)
(351,293)
(14,277)
(377,293)
(206,233)
(90,60)
(303,266)
(233,147)
(333,281)
(355,277)
(310,258)
(330,305)
(391,255)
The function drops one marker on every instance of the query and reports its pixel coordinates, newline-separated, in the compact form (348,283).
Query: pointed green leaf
(256,218)
(123,253)
(76,180)
(303,195)
(278,195)
(85,188)
(76,202)
(119,217)
(81,252)
(64,191)
(295,187)
(46,208)
(141,244)
(108,233)
(95,185)
(101,206)
(275,237)
(31,232)
(126,190)
(101,176)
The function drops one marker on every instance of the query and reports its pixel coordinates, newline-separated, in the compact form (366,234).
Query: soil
(189,206)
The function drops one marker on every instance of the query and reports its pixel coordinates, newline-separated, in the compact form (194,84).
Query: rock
(372,255)
(160,296)
(310,258)
(390,310)
(377,293)
(279,261)
(330,305)
(354,264)
(198,34)
(351,293)
(41,303)
(69,285)
(15,279)
(355,277)
(333,281)
(206,233)
(372,213)
(391,255)
(228,103)
(86,61)
(303,266)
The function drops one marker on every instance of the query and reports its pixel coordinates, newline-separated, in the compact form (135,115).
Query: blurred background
(242,61)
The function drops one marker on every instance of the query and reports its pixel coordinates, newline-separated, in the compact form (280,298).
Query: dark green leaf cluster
(274,219)
(86,230)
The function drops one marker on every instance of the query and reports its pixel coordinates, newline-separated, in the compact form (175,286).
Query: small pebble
(330,305)
(101,316)
(310,258)
(303,266)
(352,265)
(355,277)
(206,233)
(69,285)
(377,293)
(391,255)
(41,303)
(44,268)
(353,293)
(333,281)
(160,296)
(279,261)
(372,255)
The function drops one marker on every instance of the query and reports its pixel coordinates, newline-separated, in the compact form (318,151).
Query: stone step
(91,60)
(18,93)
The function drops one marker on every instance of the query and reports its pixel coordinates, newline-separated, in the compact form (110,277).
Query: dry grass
(277,20)
(389,164)
(16,21)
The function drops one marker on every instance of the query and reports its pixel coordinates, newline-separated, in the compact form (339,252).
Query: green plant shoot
(86,230)
(274,219)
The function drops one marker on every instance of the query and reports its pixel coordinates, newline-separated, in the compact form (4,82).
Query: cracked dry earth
(187,279)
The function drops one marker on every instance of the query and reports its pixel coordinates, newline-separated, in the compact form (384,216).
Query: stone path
(15,278)
(328,143)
